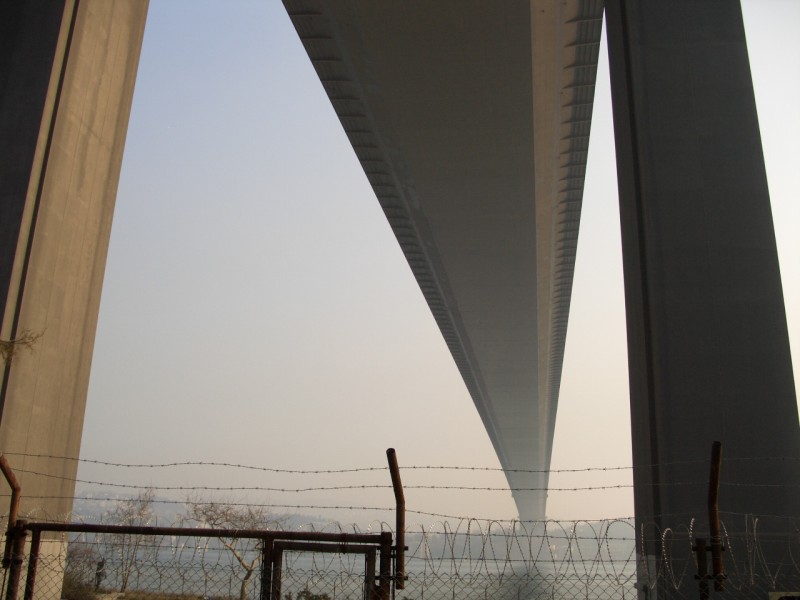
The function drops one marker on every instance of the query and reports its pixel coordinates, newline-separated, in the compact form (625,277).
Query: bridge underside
(480,173)
(471,120)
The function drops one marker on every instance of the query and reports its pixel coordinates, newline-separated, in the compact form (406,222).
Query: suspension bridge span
(471,120)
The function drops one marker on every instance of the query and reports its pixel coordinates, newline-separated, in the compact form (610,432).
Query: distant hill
(91,506)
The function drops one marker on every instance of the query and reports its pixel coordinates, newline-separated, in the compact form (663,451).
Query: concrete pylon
(67,71)
(708,347)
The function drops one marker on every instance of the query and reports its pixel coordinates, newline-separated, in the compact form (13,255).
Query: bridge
(471,121)
(480,174)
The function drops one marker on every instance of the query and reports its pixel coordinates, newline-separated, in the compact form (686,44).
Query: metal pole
(33,559)
(713,517)
(700,549)
(370,591)
(266,569)
(13,509)
(17,556)
(384,566)
(277,564)
(400,527)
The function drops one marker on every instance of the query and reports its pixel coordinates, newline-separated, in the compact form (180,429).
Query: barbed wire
(173,464)
(423,513)
(459,551)
(298,508)
(388,509)
(572,559)
(324,488)
(329,488)
(333,487)
(41,516)
(129,487)
(437,515)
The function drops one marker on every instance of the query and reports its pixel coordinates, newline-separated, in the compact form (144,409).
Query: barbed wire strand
(369,469)
(387,486)
(378,486)
(322,507)
(454,517)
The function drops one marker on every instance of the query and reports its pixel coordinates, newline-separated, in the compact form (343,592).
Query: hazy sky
(257,308)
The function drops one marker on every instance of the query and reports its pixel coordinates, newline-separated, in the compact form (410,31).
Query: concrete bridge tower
(67,71)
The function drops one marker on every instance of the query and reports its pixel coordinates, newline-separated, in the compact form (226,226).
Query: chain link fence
(97,562)
(159,569)
(469,560)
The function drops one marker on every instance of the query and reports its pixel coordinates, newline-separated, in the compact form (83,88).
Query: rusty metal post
(713,517)
(266,569)
(369,578)
(33,560)
(700,549)
(13,509)
(17,557)
(277,564)
(400,526)
(385,566)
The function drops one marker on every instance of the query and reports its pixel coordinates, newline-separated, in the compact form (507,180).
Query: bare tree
(79,570)
(26,340)
(227,515)
(125,547)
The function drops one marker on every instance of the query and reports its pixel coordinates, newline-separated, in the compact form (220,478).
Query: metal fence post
(13,508)
(400,520)
(17,556)
(266,569)
(277,558)
(700,549)
(384,565)
(369,593)
(713,517)
(33,559)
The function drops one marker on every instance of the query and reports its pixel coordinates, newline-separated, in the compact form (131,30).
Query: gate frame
(391,566)
(273,544)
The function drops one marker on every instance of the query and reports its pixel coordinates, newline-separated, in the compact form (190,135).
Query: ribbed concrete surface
(65,185)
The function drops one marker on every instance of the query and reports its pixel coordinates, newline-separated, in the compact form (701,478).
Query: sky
(257,308)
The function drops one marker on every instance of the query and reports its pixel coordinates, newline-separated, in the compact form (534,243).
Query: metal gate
(153,562)
(159,570)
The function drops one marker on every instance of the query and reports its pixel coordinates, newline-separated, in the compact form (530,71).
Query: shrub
(74,589)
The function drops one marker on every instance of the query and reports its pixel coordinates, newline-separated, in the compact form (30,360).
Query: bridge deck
(480,174)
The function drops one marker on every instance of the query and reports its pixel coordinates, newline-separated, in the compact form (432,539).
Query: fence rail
(97,561)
